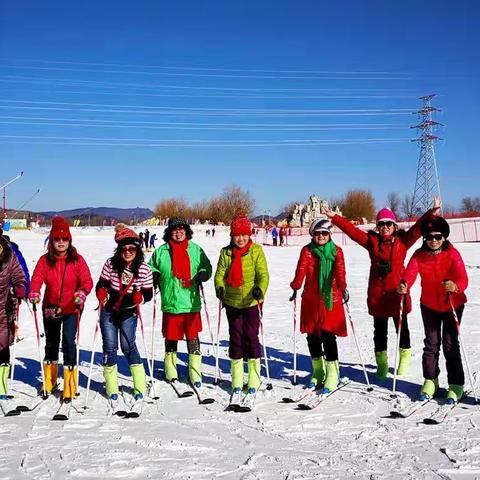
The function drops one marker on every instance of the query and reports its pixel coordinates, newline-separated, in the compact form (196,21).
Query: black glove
(220,293)
(156,280)
(201,276)
(346,296)
(293,296)
(257,293)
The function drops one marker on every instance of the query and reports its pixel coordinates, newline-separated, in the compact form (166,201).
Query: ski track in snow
(346,437)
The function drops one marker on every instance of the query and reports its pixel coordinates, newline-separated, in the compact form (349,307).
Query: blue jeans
(112,328)
(66,325)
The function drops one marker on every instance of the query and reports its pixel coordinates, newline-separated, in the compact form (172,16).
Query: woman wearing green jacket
(241,281)
(179,267)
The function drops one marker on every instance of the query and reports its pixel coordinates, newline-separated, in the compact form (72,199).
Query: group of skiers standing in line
(179,267)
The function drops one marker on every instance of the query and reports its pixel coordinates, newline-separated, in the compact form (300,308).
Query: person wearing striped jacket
(125,283)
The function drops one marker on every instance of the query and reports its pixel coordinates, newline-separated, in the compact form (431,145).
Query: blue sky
(124,103)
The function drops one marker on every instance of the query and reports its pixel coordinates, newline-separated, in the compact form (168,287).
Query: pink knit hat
(386,215)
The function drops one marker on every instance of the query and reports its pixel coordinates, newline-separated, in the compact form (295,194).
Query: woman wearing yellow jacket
(241,282)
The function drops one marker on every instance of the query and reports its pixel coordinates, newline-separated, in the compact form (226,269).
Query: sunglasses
(437,237)
(385,224)
(60,239)
(322,233)
(129,249)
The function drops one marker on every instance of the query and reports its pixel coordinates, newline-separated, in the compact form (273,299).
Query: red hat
(240,226)
(60,229)
(125,235)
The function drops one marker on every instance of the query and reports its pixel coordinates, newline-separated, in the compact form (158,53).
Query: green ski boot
(332,376)
(139,381)
(236,367)
(382,365)
(404,362)
(195,369)
(318,375)
(429,389)
(4,371)
(170,366)
(455,393)
(254,379)
(110,373)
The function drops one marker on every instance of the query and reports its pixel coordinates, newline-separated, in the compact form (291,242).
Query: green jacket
(255,272)
(175,297)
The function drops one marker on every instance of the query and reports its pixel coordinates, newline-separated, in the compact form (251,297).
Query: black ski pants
(380,332)
(323,344)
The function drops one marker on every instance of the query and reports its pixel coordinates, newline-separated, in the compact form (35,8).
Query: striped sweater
(115,283)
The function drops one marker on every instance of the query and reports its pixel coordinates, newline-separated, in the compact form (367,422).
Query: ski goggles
(431,236)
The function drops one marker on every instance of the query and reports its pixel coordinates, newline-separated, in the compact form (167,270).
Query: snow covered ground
(346,437)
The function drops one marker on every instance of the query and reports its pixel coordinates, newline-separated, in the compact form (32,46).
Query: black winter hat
(177,222)
(436,224)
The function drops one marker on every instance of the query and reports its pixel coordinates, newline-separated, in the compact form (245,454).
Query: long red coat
(434,269)
(382,297)
(314,316)
(76,277)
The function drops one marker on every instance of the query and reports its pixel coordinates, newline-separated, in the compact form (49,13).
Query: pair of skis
(185,391)
(241,404)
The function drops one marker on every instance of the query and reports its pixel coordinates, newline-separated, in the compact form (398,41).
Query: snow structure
(347,436)
(303,215)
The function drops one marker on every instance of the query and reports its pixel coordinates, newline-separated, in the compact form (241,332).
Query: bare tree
(235,199)
(407,207)
(358,204)
(394,203)
(471,204)
(172,207)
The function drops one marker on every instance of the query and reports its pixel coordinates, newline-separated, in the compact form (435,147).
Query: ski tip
(207,401)
(269,386)
(132,415)
(120,413)
(430,421)
(395,414)
(243,409)
(186,394)
(287,400)
(23,408)
(303,406)
(369,389)
(60,418)
(13,413)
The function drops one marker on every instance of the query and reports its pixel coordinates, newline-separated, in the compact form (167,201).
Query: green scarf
(326,255)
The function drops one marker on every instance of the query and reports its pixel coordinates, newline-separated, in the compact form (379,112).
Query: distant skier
(68,282)
(11,277)
(241,283)
(179,267)
(141,238)
(322,266)
(125,283)
(275,236)
(387,247)
(444,281)
(153,239)
(146,238)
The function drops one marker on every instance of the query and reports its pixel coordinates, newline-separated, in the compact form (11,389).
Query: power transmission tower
(426,183)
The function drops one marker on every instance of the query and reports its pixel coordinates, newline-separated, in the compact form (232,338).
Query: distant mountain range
(110,212)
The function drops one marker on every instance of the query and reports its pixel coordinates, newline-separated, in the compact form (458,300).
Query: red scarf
(235,274)
(181,262)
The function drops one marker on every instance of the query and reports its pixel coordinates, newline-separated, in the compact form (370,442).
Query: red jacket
(382,298)
(434,269)
(75,275)
(314,316)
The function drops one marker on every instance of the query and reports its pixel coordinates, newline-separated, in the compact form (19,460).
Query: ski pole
(462,346)
(154,322)
(218,374)
(40,358)
(77,376)
(260,314)
(139,313)
(294,381)
(350,319)
(15,336)
(202,294)
(92,356)
(399,330)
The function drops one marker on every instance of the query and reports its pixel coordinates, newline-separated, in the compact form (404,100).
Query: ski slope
(345,437)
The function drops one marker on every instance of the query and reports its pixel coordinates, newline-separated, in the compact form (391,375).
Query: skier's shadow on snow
(280,365)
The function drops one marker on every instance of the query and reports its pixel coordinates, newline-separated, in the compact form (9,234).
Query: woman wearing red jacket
(387,247)
(322,266)
(68,282)
(444,281)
